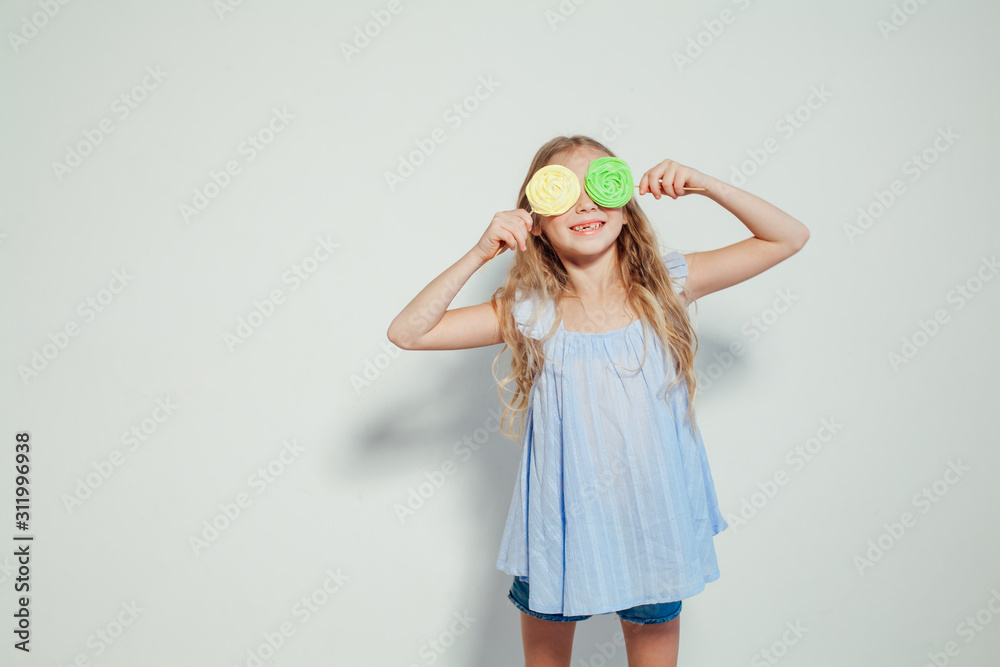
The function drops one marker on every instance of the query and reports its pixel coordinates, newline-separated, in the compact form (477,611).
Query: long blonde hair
(538,270)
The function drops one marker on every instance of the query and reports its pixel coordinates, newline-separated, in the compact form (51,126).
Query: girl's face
(559,229)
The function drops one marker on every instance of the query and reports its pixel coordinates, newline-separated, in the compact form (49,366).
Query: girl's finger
(510,239)
(668,183)
(518,228)
(520,236)
(526,217)
(663,183)
(654,185)
(679,182)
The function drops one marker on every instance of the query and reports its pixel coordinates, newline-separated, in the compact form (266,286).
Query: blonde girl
(614,509)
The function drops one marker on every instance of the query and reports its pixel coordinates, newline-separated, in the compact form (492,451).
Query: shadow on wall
(459,406)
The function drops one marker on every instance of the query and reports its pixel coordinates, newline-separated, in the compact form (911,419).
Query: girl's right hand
(508,229)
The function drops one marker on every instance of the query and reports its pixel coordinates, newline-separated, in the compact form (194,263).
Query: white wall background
(162,336)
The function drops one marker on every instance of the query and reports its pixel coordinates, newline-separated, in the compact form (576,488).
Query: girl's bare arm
(427,324)
(776,237)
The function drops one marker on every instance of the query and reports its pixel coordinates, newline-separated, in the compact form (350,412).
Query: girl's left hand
(669,178)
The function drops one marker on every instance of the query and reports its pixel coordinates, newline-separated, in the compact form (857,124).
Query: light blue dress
(614,505)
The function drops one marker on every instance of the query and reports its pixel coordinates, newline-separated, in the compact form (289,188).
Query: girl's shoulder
(533,314)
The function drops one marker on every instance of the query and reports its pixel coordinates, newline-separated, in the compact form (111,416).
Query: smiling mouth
(590,226)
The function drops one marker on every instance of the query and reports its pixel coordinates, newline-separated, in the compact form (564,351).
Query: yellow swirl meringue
(553,190)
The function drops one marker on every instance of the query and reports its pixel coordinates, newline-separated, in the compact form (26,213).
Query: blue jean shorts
(659,612)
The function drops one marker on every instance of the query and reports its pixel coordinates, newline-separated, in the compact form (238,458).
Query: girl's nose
(584,203)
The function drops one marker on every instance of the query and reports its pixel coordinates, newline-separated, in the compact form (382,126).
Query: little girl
(614,508)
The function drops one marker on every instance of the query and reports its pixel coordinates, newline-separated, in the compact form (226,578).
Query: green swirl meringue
(609,182)
(553,190)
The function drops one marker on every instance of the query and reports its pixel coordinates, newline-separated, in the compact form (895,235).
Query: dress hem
(692,590)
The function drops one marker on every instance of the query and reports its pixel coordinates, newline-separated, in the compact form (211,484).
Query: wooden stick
(492,258)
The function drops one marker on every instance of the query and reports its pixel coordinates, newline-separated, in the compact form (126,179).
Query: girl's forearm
(427,308)
(764,220)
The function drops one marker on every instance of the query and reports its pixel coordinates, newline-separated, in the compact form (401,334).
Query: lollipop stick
(491,259)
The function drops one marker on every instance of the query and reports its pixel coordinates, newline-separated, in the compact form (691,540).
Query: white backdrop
(201,252)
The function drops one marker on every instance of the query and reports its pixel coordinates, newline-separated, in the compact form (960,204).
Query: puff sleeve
(677,268)
(524,308)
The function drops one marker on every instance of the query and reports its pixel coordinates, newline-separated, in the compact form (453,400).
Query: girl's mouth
(587,228)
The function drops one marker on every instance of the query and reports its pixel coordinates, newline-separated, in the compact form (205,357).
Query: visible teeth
(593,225)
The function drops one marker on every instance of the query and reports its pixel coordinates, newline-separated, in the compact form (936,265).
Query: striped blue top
(614,505)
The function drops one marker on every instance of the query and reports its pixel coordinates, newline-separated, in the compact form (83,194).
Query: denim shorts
(659,612)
